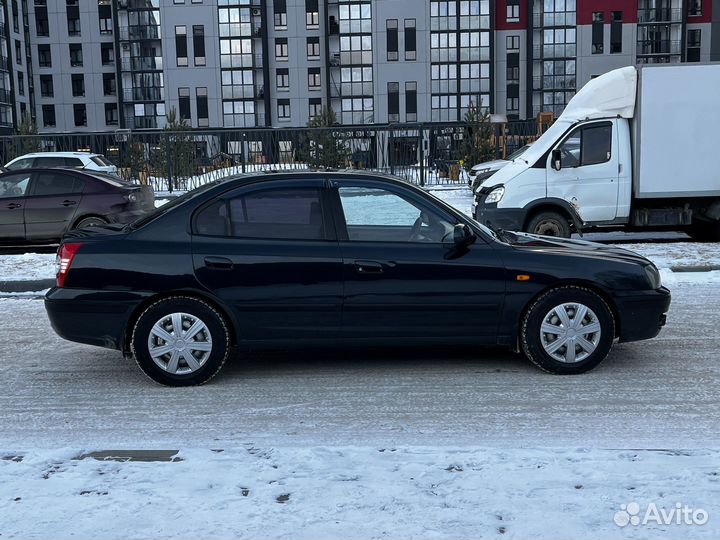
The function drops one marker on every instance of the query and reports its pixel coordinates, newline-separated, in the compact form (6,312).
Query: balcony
(541,20)
(554,82)
(142,122)
(142,63)
(562,50)
(4,64)
(143,94)
(660,47)
(659,16)
(5,96)
(130,33)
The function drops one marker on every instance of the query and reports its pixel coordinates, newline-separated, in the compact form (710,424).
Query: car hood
(566,246)
(490,165)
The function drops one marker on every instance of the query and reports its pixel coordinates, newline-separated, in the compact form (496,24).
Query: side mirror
(462,235)
(556,159)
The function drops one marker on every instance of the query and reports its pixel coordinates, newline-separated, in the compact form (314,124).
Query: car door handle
(69,203)
(218,263)
(368,267)
(13,205)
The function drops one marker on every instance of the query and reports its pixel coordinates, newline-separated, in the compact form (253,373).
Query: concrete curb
(26,286)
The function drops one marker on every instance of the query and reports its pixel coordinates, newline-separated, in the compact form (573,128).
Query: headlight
(495,195)
(653,275)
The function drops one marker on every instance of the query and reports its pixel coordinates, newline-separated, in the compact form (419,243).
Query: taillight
(65,257)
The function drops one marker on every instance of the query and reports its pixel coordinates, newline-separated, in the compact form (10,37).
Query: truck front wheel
(549,224)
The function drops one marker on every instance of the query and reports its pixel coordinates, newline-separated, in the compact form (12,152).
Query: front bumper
(642,315)
(509,219)
(92,317)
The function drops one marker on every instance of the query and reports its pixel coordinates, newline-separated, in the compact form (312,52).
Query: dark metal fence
(424,154)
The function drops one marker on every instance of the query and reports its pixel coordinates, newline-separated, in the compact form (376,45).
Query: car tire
(187,359)
(90,222)
(549,224)
(545,350)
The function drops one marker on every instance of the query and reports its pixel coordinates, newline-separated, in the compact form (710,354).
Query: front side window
(378,215)
(14,185)
(588,145)
(278,214)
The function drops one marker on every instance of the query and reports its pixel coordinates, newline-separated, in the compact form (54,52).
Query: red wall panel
(586,8)
(501,16)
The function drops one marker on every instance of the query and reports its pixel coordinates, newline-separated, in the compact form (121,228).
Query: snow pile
(27,267)
(346,492)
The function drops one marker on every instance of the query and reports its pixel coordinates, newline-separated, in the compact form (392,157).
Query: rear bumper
(642,315)
(92,317)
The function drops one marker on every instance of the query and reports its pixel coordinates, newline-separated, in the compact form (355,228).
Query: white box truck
(635,149)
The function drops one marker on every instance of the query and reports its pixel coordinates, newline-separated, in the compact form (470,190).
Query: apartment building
(105,65)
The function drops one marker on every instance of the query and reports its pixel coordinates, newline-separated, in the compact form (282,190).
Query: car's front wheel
(567,330)
(180,341)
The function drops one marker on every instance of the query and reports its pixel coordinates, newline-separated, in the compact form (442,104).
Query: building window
(105,17)
(46,86)
(281,49)
(109,85)
(42,26)
(21,83)
(73,20)
(598,32)
(314,78)
(48,113)
(283,108)
(393,89)
(201,104)
(512,105)
(513,11)
(312,14)
(616,30)
(107,54)
(512,43)
(199,44)
(315,107)
(411,101)
(410,40)
(15,17)
(313,48)
(78,84)
(694,8)
(80,114)
(44,56)
(111,114)
(694,38)
(391,32)
(18,52)
(181,48)
(184,103)
(76,55)
(280,14)
(282,79)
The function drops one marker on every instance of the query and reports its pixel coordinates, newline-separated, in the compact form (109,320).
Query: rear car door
(13,188)
(404,277)
(589,176)
(268,250)
(52,203)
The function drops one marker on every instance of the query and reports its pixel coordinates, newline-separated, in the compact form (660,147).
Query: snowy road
(657,394)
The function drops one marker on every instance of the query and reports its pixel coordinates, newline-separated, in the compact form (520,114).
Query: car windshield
(517,153)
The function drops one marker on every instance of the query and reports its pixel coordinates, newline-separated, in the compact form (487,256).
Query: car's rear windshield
(102,161)
(110,179)
(177,201)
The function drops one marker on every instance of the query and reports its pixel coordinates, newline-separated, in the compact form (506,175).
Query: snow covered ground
(351,492)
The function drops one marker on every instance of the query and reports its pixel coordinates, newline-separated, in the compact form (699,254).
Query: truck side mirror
(556,159)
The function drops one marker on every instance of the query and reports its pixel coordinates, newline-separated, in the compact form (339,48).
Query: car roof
(313,173)
(58,154)
(83,172)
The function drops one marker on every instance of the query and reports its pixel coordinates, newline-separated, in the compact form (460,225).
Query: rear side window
(25,163)
(57,184)
(50,161)
(280,214)
(73,162)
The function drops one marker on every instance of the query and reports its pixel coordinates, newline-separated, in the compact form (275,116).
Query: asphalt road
(657,394)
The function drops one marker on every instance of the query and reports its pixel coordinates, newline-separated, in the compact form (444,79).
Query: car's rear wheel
(90,222)
(568,330)
(180,341)
(549,224)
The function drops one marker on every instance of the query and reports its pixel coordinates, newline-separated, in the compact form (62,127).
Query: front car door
(13,188)
(404,277)
(52,203)
(268,250)
(589,177)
